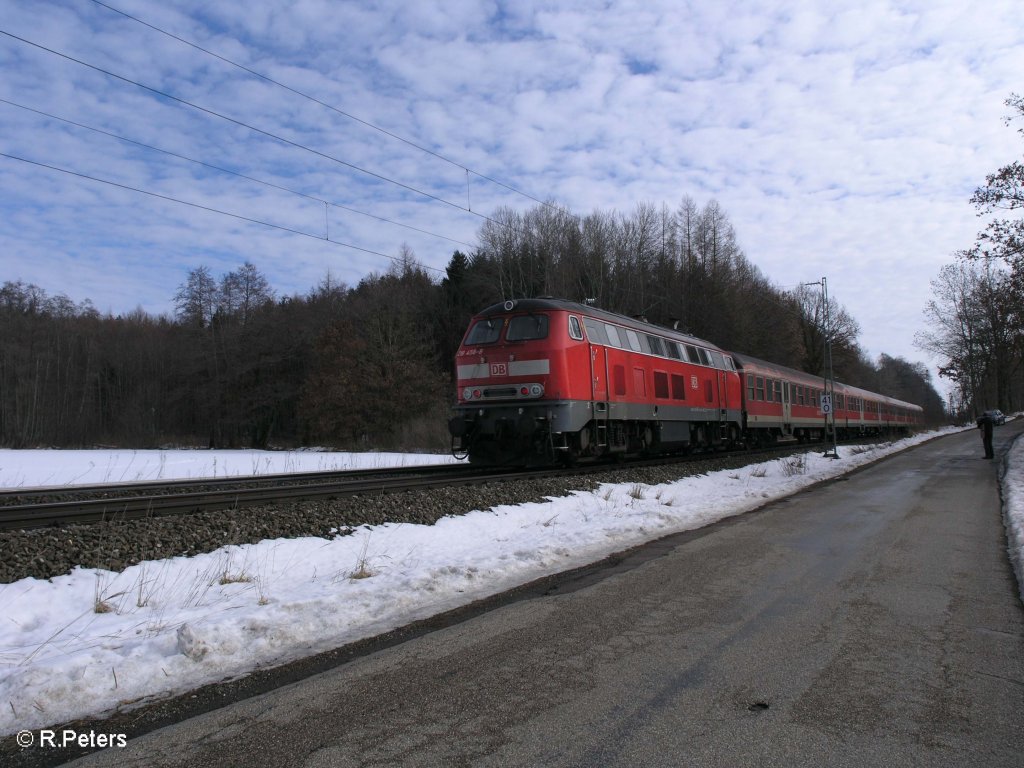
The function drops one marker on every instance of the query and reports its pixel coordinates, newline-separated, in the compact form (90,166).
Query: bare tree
(197,298)
(1003,191)
(974,330)
(841,328)
(243,291)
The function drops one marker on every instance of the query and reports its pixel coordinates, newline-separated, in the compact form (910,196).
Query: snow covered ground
(93,641)
(25,469)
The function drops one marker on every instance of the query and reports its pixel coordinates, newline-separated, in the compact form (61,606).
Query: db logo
(499,369)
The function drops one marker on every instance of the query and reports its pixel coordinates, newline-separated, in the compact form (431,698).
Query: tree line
(976,314)
(370,366)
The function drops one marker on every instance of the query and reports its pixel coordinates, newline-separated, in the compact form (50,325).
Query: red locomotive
(543,380)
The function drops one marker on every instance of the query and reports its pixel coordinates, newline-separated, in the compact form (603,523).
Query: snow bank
(1013,509)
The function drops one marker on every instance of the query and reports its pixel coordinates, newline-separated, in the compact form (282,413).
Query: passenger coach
(783,402)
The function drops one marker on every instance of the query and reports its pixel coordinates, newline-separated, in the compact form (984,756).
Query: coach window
(799,395)
(575,329)
(778,391)
(760,388)
(527,328)
(750,386)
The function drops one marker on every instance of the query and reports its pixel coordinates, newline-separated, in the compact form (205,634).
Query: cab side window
(575,329)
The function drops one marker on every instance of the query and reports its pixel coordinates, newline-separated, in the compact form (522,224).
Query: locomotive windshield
(484,332)
(527,327)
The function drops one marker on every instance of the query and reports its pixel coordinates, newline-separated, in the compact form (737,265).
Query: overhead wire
(289,142)
(210,209)
(229,171)
(247,126)
(324,104)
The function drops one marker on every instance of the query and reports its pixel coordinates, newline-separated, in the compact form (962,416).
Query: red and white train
(547,380)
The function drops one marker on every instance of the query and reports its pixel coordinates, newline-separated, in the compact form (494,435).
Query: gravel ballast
(116,545)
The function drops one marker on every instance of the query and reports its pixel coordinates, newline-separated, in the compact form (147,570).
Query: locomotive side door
(597,339)
(598,363)
(598,373)
(599,394)
(723,395)
(722,384)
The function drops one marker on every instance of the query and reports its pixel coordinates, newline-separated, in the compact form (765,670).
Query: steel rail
(20,495)
(93,510)
(269,489)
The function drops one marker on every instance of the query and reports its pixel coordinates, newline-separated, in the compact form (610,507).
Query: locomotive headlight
(467,394)
(537,390)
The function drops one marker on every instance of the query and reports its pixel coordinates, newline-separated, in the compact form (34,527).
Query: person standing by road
(985,424)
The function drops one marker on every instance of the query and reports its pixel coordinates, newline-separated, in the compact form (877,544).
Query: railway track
(57,506)
(39,507)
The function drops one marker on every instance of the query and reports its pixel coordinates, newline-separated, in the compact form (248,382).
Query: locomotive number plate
(499,369)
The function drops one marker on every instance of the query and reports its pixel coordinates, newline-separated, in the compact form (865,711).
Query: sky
(843,139)
(175,624)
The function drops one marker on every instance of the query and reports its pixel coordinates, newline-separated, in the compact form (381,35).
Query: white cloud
(841,138)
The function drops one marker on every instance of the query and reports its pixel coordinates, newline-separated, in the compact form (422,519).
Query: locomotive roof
(549,304)
(746,361)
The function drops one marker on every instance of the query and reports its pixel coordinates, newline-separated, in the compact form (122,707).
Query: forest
(370,366)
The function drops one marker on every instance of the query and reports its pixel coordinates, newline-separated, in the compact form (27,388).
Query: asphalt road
(869,621)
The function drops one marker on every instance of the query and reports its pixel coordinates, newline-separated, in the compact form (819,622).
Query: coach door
(787,407)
